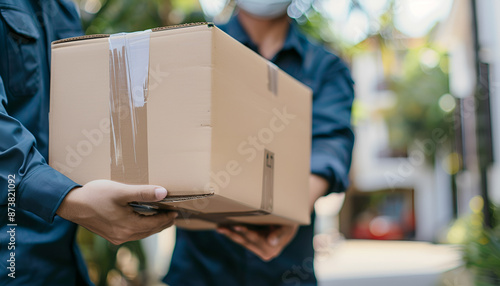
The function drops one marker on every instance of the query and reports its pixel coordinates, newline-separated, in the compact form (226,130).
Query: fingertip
(273,241)
(160,193)
(239,228)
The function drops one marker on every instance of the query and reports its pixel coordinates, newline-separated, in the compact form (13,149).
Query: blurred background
(423,204)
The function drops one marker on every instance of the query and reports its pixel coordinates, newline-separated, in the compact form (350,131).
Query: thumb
(275,236)
(144,193)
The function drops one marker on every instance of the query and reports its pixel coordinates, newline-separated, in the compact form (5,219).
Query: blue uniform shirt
(42,244)
(208,258)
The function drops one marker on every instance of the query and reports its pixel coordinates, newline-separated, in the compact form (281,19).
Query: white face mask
(267,9)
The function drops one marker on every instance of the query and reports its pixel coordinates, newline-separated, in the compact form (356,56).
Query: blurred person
(38,205)
(278,255)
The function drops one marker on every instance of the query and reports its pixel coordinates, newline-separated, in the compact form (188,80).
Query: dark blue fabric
(45,248)
(207,258)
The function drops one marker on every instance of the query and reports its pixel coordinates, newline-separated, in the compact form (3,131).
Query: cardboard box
(188,108)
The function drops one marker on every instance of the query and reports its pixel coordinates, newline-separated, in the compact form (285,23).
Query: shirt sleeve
(39,188)
(332,136)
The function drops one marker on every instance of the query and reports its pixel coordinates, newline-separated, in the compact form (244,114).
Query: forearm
(42,190)
(317,188)
(332,136)
(38,188)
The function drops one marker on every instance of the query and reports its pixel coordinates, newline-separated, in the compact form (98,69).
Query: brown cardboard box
(188,108)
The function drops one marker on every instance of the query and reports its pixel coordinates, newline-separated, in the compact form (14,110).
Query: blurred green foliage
(418,89)
(481,245)
(415,73)
(483,257)
(115,16)
(110,264)
(482,254)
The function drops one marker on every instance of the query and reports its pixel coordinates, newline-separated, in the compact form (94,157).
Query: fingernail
(274,241)
(238,228)
(160,193)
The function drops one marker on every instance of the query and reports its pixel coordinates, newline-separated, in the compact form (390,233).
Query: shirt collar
(292,41)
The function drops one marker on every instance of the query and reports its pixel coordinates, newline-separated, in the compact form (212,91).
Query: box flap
(97,36)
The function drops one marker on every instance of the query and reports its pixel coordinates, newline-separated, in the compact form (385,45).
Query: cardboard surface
(214,108)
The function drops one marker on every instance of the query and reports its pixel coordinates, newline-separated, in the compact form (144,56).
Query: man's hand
(102,207)
(266,243)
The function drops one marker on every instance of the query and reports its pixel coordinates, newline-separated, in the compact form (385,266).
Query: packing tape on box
(272,78)
(129,74)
